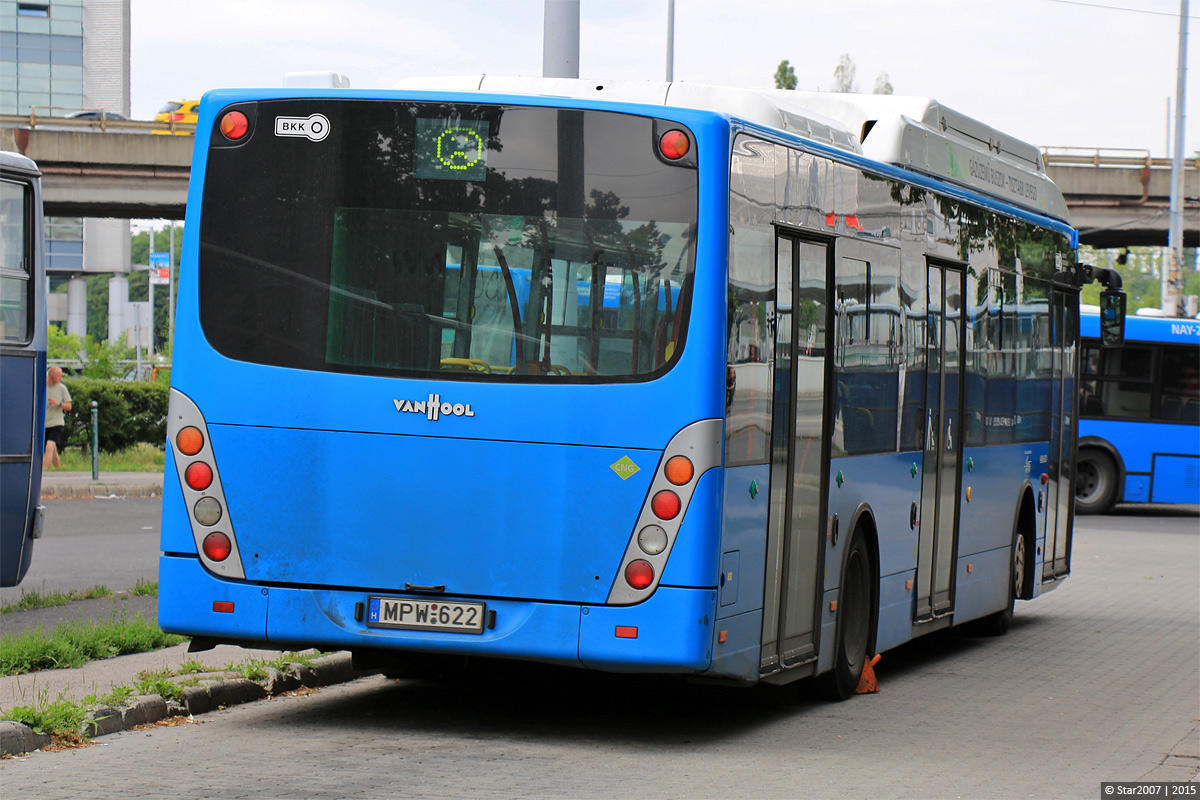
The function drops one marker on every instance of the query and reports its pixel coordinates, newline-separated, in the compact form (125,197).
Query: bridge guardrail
(34,122)
(1110,157)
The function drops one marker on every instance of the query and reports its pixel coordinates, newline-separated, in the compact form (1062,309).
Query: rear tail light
(666,505)
(688,455)
(217,546)
(639,574)
(234,125)
(674,144)
(203,496)
(199,476)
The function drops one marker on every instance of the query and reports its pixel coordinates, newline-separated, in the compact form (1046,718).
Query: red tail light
(639,574)
(177,117)
(234,125)
(674,144)
(217,546)
(665,505)
(198,476)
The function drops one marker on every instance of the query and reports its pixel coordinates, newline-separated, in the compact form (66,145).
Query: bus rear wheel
(1095,481)
(997,624)
(852,639)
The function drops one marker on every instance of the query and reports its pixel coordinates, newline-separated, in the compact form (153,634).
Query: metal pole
(95,441)
(150,289)
(1173,299)
(560,39)
(670,40)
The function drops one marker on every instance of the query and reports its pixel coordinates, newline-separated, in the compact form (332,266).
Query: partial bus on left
(22,363)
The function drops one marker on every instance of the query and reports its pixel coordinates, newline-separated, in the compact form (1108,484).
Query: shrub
(129,412)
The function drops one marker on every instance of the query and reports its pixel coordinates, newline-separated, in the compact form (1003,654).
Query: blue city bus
(22,363)
(1139,426)
(423,408)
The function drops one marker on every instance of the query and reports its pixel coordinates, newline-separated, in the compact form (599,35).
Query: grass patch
(63,718)
(141,457)
(73,644)
(35,599)
(145,588)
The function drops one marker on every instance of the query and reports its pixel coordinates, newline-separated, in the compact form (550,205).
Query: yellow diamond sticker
(625,467)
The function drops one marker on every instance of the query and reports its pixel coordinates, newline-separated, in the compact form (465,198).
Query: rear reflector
(626,632)
(222,606)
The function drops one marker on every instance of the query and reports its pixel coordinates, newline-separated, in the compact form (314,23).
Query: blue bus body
(1140,414)
(391,459)
(22,365)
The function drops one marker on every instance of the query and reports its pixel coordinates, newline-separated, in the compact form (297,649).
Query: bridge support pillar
(77,306)
(118,301)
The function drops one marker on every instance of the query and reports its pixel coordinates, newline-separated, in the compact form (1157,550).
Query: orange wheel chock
(868,684)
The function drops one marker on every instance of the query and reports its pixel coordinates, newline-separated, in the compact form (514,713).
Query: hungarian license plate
(424,615)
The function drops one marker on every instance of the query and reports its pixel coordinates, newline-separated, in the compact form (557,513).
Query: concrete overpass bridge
(1117,198)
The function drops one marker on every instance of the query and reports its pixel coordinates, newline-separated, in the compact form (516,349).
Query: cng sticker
(625,467)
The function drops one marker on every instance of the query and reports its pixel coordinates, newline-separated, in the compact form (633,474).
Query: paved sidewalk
(56,483)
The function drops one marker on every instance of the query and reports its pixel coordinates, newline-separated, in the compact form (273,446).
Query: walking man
(58,400)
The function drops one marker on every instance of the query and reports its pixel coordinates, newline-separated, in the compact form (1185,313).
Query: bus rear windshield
(472,241)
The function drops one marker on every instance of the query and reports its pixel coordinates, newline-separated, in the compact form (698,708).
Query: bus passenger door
(1060,491)
(943,442)
(795,531)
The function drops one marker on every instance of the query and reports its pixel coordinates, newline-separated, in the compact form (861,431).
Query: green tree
(843,75)
(882,84)
(785,76)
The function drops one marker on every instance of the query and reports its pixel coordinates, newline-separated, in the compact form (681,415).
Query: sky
(1054,73)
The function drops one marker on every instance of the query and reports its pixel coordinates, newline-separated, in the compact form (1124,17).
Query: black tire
(1095,481)
(998,624)
(852,640)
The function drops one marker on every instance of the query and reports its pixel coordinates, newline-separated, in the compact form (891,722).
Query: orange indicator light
(189,441)
(680,470)
(626,632)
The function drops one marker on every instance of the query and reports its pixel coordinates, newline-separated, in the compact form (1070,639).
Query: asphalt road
(1097,681)
(111,541)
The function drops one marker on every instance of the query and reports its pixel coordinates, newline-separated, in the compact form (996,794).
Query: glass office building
(57,57)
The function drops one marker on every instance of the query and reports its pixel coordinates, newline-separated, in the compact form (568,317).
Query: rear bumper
(672,631)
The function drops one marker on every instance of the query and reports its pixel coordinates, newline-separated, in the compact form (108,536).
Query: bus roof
(1138,328)
(15,162)
(913,133)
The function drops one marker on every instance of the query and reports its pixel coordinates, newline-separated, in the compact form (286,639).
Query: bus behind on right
(1139,408)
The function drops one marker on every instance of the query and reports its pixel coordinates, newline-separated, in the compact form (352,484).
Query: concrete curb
(102,490)
(209,695)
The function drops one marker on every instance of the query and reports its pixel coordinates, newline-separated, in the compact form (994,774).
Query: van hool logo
(434,406)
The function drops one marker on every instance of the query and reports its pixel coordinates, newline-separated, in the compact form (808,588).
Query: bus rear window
(479,242)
